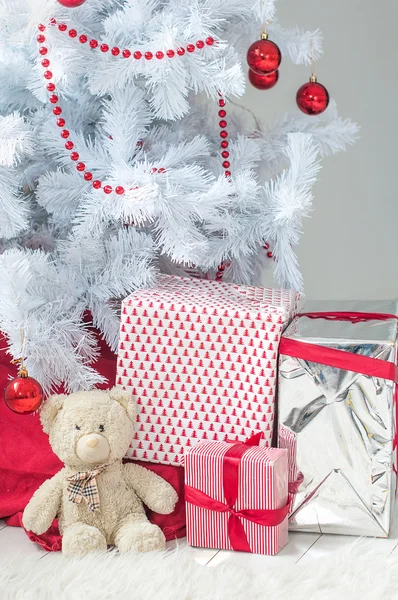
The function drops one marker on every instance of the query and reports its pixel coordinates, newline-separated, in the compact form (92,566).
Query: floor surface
(301,547)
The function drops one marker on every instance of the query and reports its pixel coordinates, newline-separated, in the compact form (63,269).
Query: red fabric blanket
(26,460)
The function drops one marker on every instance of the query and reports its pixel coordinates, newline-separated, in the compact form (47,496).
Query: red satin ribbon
(340,359)
(294,485)
(236,532)
(354,317)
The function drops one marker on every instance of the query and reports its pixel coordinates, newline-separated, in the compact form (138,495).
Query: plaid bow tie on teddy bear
(83,485)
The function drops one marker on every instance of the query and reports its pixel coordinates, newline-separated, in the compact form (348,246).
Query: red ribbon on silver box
(340,359)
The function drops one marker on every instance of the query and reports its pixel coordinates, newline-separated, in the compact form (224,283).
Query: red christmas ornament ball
(312,98)
(71,3)
(264,57)
(263,82)
(23,395)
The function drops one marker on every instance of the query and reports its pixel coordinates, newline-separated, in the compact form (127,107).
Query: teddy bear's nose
(92,441)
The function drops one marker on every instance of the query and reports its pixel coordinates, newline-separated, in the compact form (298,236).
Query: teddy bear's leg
(135,532)
(79,539)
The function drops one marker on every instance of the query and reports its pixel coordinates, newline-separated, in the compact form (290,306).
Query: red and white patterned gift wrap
(201,359)
(261,482)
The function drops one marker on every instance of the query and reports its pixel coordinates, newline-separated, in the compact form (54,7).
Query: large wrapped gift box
(236,497)
(337,381)
(201,358)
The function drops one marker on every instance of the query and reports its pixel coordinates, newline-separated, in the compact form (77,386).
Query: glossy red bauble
(312,98)
(71,3)
(264,57)
(263,82)
(23,395)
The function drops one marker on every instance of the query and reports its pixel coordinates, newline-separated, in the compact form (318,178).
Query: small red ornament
(71,3)
(264,56)
(312,98)
(263,82)
(23,395)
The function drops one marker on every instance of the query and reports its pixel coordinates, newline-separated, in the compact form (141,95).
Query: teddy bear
(98,499)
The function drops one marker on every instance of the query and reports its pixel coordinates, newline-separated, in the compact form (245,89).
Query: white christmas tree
(127,177)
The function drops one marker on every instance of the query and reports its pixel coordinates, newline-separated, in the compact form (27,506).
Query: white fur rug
(355,574)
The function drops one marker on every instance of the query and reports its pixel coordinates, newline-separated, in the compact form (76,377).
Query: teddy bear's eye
(101,428)
(77,427)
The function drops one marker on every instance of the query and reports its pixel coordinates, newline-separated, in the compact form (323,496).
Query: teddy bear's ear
(126,400)
(50,409)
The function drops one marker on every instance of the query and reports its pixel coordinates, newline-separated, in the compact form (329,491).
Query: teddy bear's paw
(36,520)
(35,525)
(80,539)
(140,536)
(167,503)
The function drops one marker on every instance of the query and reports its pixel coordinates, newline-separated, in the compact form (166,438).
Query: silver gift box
(339,426)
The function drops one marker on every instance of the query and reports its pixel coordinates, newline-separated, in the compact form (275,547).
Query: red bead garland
(221,270)
(270,254)
(126,53)
(115,51)
(226,165)
(224,134)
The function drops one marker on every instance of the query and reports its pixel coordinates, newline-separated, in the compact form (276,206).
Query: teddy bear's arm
(44,505)
(154,491)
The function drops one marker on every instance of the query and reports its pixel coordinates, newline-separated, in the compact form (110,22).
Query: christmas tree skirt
(26,459)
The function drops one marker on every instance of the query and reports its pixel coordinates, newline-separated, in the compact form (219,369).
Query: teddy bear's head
(89,428)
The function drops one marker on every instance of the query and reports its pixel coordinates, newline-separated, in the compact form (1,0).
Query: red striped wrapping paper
(201,359)
(288,440)
(263,485)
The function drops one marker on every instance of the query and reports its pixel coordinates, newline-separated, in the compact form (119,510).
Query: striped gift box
(261,480)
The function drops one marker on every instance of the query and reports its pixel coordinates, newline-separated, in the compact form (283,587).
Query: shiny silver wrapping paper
(339,426)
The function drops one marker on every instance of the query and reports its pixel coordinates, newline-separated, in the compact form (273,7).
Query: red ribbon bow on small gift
(236,532)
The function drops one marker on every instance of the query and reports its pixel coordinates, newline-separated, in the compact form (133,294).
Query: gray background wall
(350,245)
